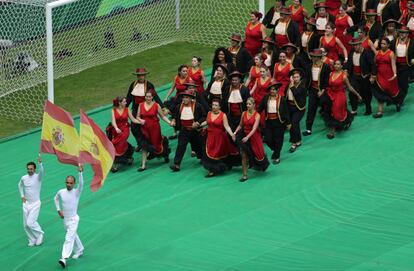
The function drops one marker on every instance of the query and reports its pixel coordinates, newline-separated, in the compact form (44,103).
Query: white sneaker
(77,255)
(31,243)
(39,240)
(62,263)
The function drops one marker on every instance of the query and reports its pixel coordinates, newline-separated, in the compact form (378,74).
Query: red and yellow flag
(59,135)
(95,149)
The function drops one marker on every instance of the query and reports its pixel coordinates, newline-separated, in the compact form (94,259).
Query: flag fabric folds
(59,135)
(95,149)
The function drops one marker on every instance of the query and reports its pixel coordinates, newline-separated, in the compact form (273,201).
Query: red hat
(404,29)
(188,93)
(316,52)
(140,71)
(355,41)
(285,10)
(320,5)
(269,40)
(236,37)
(371,12)
(311,21)
(274,84)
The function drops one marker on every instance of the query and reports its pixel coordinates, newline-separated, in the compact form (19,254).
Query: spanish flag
(95,149)
(59,135)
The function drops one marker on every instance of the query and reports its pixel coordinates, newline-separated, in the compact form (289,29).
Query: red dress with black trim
(330,47)
(151,129)
(197,77)
(337,94)
(384,72)
(298,16)
(281,74)
(179,85)
(261,89)
(365,44)
(254,74)
(255,141)
(253,38)
(120,141)
(342,24)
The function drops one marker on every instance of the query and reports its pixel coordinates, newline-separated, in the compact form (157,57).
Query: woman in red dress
(253,154)
(254,71)
(342,22)
(118,132)
(197,74)
(281,72)
(386,87)
(336,114)
(367,44)
(331,44)
(299,13)
(153,143)
(260,88)
(219,147)
(254,34)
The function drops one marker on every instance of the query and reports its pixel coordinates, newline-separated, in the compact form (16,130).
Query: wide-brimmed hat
(316,52)
(297,70)
(355,41)
(311,21)
(371,12)
(223,67)
(285,10)
(268,40)
(236,37)
(404,29)
(236,74)
(189,93)
(385,24)
(190,83)
(140,71)
(291,45)
(275,84)
(320,5)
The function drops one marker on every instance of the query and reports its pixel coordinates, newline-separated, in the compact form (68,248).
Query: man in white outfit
(68,199)
(29,189)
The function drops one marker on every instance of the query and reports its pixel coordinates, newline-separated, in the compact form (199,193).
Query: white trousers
(30,225)
(72,241)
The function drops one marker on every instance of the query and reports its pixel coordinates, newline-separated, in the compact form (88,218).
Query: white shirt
(305,37)
(290,96)
(216,87)
(321,23)
(390,37)
(271,106)
(355,59)
(410,23)
(69,200)
(401,49)
(29,186)
(280,28)
(235,97)
(139,90)
(276,16)
(187,113)
(380,7)
(268,60)
(315,73)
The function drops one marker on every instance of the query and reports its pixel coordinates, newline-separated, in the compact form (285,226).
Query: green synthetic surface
(344,204)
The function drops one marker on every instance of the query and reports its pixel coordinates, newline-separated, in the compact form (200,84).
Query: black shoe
(354,113)
(210,174)
(172,137)
(243,179)
(166,159)
(292,148)
(330,135)
(130,161)
(306,132)
(138,149)
(398,107)
(175,168)
(141,169)
(368,112)
(62,263)
(276,161)
(377,115)
(114,169)
(193,154)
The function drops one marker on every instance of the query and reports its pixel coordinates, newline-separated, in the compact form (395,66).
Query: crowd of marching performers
(264,84)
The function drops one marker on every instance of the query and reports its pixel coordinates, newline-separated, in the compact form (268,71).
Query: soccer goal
(42,40)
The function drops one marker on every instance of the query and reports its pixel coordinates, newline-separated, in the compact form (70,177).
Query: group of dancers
(263,85)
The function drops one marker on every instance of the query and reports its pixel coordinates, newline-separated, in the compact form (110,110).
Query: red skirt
(120,141)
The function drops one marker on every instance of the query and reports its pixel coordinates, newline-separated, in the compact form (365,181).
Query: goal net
(88,33)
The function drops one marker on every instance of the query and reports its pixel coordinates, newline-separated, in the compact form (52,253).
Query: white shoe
(31,243)
(77,255)
(62,263)
(39,240)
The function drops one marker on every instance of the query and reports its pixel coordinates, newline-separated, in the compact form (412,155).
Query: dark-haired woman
(261,87)
(299,13)
(336,114)
(281,72)
(119,132)
(217,87)
(223,57)
(254,33)
(331,43)
(197,74)
(276,114)
(153,143)
(255,71)
(219,151)
(269,51)
(386,87)
(342,22)
(253,154)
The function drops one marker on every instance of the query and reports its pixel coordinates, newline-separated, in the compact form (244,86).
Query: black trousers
(274,133)
(363,87)
(296,116)
(184,137)
(404,73)
(313,103)
(234,121)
